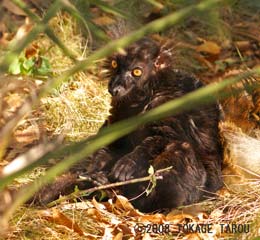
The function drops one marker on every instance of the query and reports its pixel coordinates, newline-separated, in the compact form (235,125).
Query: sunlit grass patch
(79,109)
(79,106)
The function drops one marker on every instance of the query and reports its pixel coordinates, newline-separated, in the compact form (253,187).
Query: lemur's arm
(101,160)
(135,164)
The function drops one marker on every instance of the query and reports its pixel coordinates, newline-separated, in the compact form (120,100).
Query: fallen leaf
(99,206)
(117,208)
(124,228)
(59,218)
(32,50)
(205,61)
(179,218)
(123,203)
(209,47)
(103,21)
(154,218)
(119,236)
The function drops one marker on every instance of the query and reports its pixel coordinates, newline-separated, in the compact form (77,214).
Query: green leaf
(28,64)
(102,195)
(15,67)
(45,67)
(151,170)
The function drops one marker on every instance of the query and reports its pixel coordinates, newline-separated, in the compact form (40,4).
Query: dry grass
(75,109)
(77,113)
(97,220)
(32,224)
(79,106)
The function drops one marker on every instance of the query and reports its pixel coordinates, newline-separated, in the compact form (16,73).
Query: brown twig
(111,185)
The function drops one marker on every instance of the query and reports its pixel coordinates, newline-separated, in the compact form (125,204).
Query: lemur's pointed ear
(164,58)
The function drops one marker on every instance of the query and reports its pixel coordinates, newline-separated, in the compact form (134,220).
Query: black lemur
(141,79)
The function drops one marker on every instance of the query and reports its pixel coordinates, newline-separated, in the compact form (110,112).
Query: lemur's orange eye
(114,64)
(137,72)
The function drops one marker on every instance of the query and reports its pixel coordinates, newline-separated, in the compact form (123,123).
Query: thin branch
(80,193)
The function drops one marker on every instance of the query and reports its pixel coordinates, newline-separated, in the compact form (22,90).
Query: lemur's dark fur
(189,142)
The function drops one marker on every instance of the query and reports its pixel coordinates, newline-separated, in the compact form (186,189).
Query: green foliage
(45,67)
(102,195)
(32,66)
